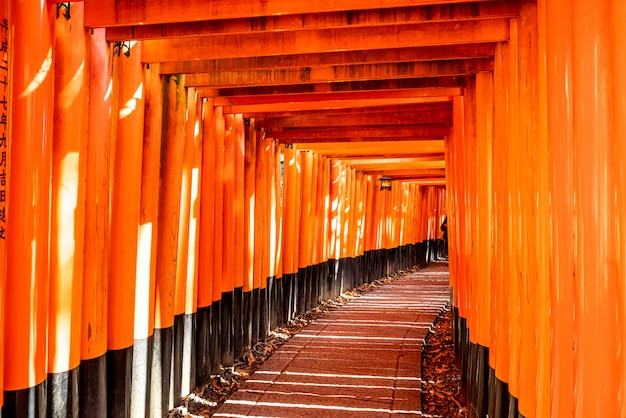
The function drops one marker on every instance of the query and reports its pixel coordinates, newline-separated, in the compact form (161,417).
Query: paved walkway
(361,360)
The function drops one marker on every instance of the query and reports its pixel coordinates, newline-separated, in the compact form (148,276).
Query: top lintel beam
(327,20)
(109,13)
(328,40)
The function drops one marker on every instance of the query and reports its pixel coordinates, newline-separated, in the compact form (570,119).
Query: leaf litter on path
(205,400)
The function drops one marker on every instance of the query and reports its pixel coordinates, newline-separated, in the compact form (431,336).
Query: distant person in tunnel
(444,228)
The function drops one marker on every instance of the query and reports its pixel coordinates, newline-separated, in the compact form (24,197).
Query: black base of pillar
(237,322)
(189,354)
(177,360)
(263,314)
(142,372)
(63,394)
(289,295)
(161,371)
(226,331)
(214,337)
(246,320)
(203,359)
(29,402)
(119,372)
(255,312)
(272,316)
(93,387)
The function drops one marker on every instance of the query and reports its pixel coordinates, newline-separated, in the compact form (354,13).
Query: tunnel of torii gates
(178,178)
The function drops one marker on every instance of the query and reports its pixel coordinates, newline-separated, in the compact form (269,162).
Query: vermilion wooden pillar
(267,302)
(304,259)
(147,241)
(182,324)
(228,239)
(481,335)
(499,350)
(93,396)
(276,233)
(187,269)
(513,214)
(460,274)
(218,266)
(127,132)
(206,244)
(595,355)
(67,213)
(559,26)
(238,231)
(173,144)
(333,225)
(469,210)
(272,181)
(618,14)
(249,306)
(321,229)
(276,226)
(289,208)
(28,209)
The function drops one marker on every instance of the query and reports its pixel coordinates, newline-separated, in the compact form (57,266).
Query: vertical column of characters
(4,122)
(4,79)
(30,93)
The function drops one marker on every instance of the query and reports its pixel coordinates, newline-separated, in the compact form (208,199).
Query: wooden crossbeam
(434,92)
(415,54)
(262,110)
(339,87)
(391,107)
(371,161)
(426,182)
(426,173)
(433,117)
(282,76)
(360,139)
(320,41)
(404,131)
(105,13)
(352,18)
(383,165)
(413,174)
(383,149)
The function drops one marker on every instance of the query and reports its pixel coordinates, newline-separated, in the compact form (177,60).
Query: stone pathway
(361,360)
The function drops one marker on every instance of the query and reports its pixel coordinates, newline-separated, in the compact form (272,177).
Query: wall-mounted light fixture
(385,183)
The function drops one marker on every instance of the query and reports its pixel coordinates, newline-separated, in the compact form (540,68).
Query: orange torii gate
(178,179)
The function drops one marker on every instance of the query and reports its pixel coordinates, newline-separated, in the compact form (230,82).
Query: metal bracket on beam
(121,47)
(65,6)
